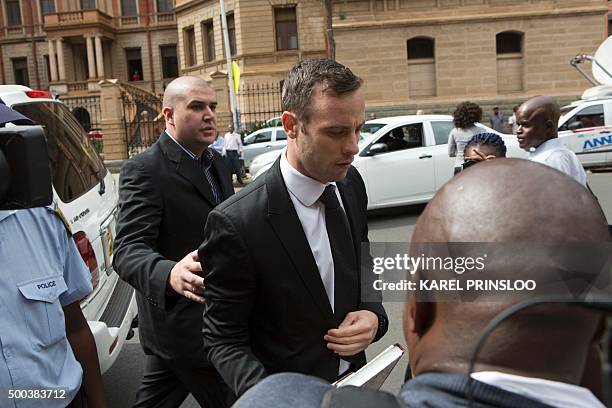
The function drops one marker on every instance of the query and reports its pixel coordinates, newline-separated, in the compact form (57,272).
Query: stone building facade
(69,46)
(430,54)
(412,54)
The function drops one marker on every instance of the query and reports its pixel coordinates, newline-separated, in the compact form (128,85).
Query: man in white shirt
(233,149)
(537,121)
(512,120)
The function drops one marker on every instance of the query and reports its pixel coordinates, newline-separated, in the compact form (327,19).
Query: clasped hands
(354,334)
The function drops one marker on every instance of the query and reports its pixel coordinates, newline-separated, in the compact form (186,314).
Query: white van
(585,127)
(85,193)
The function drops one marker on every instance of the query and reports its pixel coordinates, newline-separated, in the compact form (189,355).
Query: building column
(52,61)
(60,60)
(99,56)
(91,62)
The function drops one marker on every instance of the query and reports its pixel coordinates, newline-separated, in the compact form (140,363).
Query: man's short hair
(305,75)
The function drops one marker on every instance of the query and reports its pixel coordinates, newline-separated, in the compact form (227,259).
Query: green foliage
(97,144)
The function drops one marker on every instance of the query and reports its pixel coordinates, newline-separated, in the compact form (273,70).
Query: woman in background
(464,118)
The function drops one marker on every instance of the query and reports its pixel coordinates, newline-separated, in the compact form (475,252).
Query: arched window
(509,42)
(83,116)
(421,56)
(420,47)
(510,71)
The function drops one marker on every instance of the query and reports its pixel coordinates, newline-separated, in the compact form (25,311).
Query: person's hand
(184,278)
(479,156)
(355,333)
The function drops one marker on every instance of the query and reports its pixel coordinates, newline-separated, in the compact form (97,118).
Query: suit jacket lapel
(187,167)
(227,189)
(286,224)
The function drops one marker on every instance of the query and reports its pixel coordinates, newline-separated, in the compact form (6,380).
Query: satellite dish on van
(604,57)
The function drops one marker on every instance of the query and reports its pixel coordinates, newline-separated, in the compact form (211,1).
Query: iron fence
(142,119)
(86,109)
(258,102)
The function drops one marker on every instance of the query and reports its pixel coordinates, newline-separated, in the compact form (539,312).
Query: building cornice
(462,19)
(191,4)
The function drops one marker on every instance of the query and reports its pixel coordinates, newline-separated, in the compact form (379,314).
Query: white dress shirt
(553,393)
(554,154)
(305,192)
(233,142)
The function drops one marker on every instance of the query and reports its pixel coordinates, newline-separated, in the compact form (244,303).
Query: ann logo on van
(597,142)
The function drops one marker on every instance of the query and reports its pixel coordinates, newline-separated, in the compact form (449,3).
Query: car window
(371,128)
(591,116)
(263,137)
(441,130)
(403,137)
(248,139)
(281,135)
(75,165)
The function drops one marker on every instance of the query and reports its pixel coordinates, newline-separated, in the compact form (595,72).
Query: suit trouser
(233,158)
(166,384)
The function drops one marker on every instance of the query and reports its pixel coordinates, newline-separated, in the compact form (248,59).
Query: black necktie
(212,181)
(341,243)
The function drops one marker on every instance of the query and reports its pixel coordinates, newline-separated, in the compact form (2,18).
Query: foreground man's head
(494,203)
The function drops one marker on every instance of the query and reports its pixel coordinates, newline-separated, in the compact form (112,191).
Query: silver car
(262,141)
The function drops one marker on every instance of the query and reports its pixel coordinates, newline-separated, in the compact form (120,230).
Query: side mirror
(377,148)
(574,125)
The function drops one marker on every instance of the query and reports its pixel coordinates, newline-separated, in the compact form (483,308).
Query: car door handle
(425,156)
(604,132)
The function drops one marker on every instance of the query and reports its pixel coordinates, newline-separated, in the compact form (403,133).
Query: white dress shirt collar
(545,149)
(307,190)
(186,150)
(553,393)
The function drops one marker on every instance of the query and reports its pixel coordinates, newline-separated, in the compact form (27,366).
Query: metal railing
(259,102)
(86,109)
(142,118)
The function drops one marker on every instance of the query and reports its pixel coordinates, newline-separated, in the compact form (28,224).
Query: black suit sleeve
(229,295)
(140,213)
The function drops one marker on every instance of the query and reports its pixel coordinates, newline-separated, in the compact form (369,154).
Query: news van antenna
(600,64)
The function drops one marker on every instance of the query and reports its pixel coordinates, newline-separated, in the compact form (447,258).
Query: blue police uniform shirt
(40,271)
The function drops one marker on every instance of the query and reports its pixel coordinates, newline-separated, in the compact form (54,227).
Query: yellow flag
(235,76)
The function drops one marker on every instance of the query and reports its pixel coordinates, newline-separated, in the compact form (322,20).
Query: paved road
(393,225)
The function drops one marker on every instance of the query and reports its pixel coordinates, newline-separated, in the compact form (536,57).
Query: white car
(261,141)
(86,195)
(275,121)
(410,172)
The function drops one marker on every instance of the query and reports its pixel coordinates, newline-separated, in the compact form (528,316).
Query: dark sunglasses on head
(469,163)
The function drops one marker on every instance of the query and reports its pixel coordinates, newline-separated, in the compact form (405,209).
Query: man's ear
(418,317)
(290,124)
(551,128)
(168,113)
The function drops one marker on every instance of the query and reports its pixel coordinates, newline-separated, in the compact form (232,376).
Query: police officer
(48,355)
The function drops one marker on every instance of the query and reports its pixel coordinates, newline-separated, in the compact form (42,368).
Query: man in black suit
(281,258)
(165,195)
